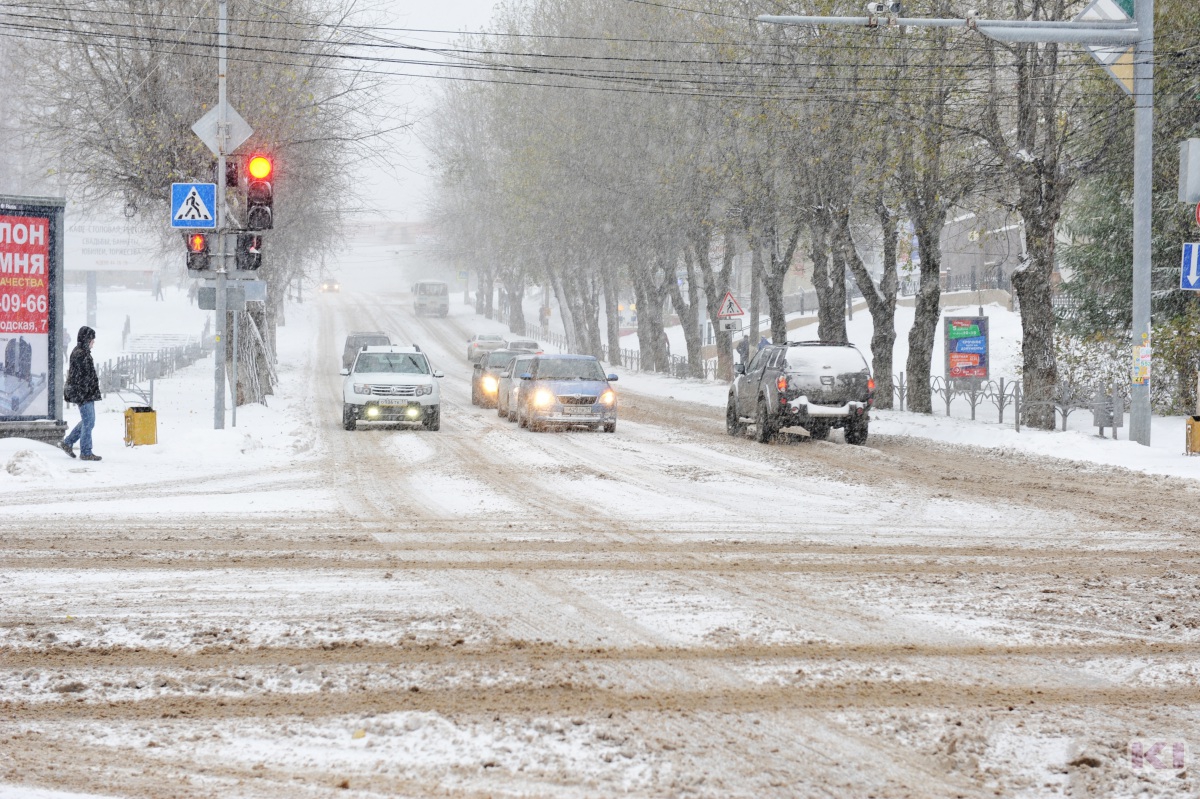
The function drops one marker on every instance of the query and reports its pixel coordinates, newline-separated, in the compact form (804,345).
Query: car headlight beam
(543,398)
(490,384)
(608,397)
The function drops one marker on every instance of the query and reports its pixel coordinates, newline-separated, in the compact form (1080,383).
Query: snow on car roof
(840,358)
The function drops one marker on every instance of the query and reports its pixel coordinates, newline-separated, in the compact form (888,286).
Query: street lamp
(1105,33)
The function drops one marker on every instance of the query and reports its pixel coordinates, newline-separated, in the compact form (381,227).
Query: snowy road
(666,611)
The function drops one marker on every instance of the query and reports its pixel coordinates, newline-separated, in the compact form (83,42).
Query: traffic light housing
(197,251)
(249,252)
(260,193)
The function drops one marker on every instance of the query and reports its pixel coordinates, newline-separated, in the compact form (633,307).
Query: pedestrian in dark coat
(82,389)
(743,349)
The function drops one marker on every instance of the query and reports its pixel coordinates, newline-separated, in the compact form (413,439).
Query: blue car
(566,391)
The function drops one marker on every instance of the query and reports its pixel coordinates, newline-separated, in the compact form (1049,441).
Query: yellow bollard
(1191,443)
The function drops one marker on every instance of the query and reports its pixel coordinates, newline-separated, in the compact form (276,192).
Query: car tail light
(870,384)
(781,384)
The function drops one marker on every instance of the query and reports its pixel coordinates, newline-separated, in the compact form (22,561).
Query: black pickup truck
(814,385)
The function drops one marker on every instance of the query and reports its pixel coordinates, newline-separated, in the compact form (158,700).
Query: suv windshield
(569,369)
(432,288)
(397,362)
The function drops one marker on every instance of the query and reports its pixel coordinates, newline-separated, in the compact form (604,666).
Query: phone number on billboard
(33,303)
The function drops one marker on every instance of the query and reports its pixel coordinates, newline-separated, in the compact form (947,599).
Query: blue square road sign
(194,205)
(1189,276)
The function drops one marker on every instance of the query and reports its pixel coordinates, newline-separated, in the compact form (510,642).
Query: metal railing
(126,373)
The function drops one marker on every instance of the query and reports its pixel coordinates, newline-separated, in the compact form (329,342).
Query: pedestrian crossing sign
(193,205)
(729,307)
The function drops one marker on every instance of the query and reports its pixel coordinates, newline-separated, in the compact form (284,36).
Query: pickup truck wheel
(349,417)
(433,419)
(734,425)
(856,432)
(764,430)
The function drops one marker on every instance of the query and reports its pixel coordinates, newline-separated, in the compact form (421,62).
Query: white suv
(391,384)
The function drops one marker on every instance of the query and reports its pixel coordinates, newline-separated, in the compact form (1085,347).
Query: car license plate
(584,411)
(393,402)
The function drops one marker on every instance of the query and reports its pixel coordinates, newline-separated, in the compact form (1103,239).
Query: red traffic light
(260,167)
(197,251)
(197,242)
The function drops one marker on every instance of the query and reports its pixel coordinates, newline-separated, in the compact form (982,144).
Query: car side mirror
(612,378)
(345,372)
(439,373)
(739,368)
(526,376)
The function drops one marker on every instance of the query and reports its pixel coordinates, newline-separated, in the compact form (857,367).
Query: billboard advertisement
(966,340)
(30,289)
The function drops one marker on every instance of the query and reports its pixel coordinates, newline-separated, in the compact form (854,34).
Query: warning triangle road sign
(729,307)
(193,209)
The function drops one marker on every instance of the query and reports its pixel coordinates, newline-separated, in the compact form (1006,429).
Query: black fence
(128,371)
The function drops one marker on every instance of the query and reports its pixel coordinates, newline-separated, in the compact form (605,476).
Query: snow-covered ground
(291,609)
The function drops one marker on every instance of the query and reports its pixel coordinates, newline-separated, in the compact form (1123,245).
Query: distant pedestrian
(193,289)
(158,294)
(743,350)
(762,342)
(125,333)
(83,389)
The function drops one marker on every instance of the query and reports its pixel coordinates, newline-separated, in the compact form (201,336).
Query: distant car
(330,286)
(523,344)
(814,385)
(485,378)
(481,344)
(391,384)
(566,391)
(431,297)
(356,341)
(508,387)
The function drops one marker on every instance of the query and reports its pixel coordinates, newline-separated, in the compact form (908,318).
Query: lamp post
(1105,33)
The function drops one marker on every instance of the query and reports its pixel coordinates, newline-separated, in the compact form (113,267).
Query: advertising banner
(30,288)
(966,345)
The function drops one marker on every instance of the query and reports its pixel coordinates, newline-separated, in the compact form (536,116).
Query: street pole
(1139,34)
(1143,166)
(222,134)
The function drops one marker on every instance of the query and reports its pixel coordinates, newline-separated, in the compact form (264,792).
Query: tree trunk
(831,300)
(756,269)
(689,315)
(649,319)
(715,287)
(612,317)
(881,300)
(514,285)
(928,311)
(1031,280)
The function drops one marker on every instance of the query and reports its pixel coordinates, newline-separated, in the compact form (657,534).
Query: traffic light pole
(222,138)
(1140,34)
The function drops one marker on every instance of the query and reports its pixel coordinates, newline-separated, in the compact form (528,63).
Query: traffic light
(197,251)
(231,172)
(260,195)
(249,251)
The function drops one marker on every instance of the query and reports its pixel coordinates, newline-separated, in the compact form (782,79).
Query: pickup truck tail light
(870,384)
(781,383)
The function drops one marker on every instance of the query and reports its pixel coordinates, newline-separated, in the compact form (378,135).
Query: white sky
(400,195)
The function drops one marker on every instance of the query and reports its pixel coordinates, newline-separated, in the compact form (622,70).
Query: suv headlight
(421,390)
(362,388)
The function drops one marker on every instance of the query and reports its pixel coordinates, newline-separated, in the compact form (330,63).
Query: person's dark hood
(86,334)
